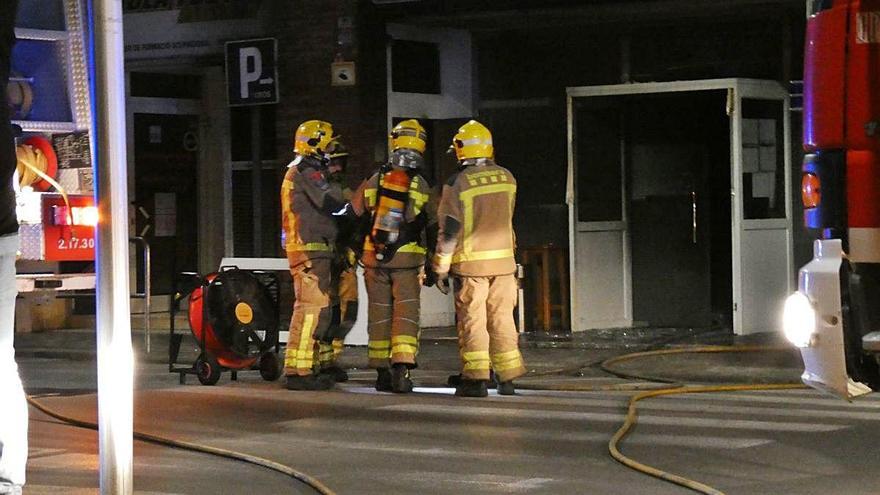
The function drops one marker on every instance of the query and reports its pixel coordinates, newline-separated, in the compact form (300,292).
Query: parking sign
(252,72)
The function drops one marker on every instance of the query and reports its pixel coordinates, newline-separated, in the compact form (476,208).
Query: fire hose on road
(652,387)
(676,389)
(314,483)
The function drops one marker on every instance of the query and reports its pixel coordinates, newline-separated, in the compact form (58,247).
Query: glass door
(762,218)
(600,269)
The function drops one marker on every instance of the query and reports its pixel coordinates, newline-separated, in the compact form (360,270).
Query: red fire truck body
(834,314)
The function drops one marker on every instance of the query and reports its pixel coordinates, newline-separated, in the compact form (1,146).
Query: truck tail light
(811,190)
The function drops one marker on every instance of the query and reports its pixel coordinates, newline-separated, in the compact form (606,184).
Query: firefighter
(401,218)
(344,289)
(476,245)
(308,202)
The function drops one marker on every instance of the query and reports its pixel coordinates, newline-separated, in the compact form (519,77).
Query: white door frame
(736,88)
(757,90)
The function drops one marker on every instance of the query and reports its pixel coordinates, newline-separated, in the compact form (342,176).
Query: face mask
(405,158)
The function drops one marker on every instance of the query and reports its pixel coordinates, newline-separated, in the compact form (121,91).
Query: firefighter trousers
(393,316)
(487,336)
(311,314)
(347,297)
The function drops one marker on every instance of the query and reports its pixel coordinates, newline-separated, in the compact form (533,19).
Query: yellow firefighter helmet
(313,138)
(408,134)
(473,140)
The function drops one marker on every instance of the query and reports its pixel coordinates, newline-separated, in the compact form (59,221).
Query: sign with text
(252,72)
(68,237)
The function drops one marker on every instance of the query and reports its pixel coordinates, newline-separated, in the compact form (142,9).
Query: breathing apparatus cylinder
(390,211)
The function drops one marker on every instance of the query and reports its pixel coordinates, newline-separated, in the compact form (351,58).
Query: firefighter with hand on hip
(344,288)
(402,218)
(476,245)
(308,202)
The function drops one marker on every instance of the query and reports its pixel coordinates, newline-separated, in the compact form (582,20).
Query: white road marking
(413,430)
(670,404)
(788,401)
(507,484)
(543,415)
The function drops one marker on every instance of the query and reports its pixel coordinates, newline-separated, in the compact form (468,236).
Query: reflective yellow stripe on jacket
(309,246)
(467,252)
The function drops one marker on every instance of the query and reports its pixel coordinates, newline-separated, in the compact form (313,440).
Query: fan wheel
(207,369)
(270,366)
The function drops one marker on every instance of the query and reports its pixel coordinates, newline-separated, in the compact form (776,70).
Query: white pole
(115,359)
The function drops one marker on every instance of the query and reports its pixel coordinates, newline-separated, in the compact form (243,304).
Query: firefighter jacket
(420,217)
(476,222)
(307,205)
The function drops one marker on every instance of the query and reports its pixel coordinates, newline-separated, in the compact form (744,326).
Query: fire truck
(49,101)
(834,317)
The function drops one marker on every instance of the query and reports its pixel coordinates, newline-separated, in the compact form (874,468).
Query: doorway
(678,171)
(679,208)
(166,194)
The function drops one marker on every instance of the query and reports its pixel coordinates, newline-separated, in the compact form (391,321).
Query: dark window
(415,67)
(597,156)
(240,132)
(159,85)
(242,213)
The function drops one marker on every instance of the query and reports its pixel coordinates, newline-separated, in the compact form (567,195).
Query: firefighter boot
(383,380)
(506,388)
(472,388)
(309,382)
(336,373)
(400,381)
(454,380)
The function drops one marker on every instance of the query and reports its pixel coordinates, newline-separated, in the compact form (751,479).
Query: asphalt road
(360,442)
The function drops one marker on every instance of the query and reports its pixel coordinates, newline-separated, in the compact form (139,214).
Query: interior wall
(678,145)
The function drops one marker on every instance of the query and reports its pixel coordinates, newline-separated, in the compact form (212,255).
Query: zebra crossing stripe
(816,400)
(645,419)
(672,405)
(330,430)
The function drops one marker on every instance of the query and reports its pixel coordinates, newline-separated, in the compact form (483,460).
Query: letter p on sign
(251,72)
(250,68)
